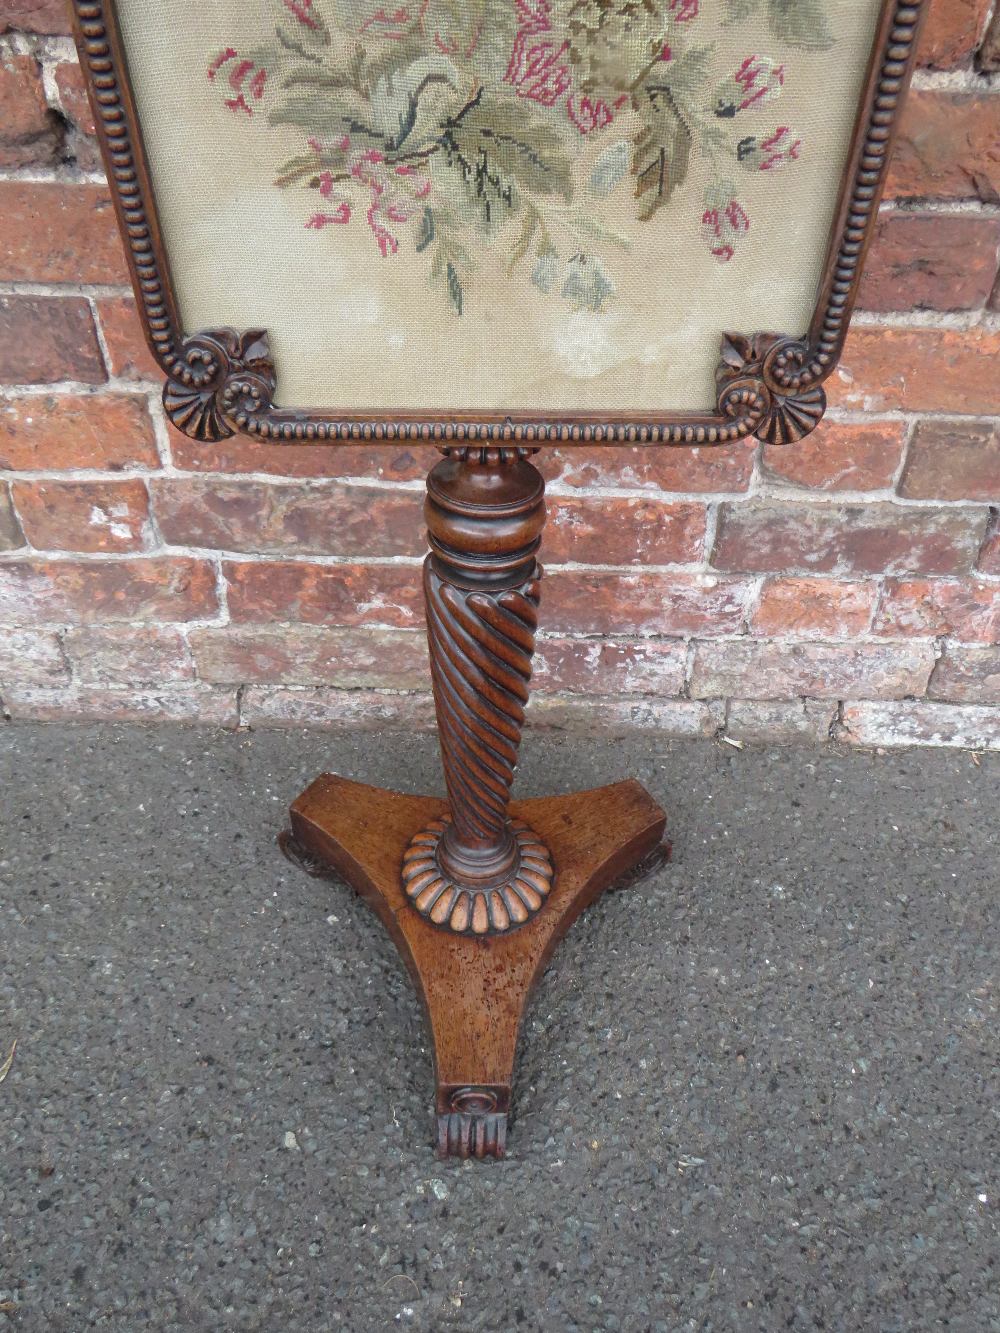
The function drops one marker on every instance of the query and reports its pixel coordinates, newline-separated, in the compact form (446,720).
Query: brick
(952,32)
(27,128)
(11,536)
(608,716)
(968,609)
(613,531)
(351,659)
(145,655)
(989,556)
(770,536)
(953,460)
(158,589)
(780,721)
(931,261)
(967,675)
(45,339)
(989,53)
(609,666)
(81,136)
(655,468)
(49,433)
(287,591)
(50,17)
(184,703)
(84,515)
(358,710)
(814,608)
(921,723)
(58,233)
(918,370)
(648,603)
(757,669)
(31,657)
(129,357)
(288,518)
(839,456)
(948,147)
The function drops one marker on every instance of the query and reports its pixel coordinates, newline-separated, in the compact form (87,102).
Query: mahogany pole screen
(492,224)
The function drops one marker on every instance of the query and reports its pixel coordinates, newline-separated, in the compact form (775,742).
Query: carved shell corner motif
(220,380)
(768,367)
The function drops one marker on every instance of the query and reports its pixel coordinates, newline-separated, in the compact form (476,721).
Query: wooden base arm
(474,989)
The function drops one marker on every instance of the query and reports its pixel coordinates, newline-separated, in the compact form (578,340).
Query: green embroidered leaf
(523,243)
(454,287)
(801,22)
(662,152)
(337,111)
(426,233)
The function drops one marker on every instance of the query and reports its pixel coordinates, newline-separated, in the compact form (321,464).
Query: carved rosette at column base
(489,909)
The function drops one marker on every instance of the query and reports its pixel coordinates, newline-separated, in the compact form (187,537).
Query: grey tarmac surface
(758,1091)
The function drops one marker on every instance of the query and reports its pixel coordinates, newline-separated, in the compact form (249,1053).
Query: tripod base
(474,988)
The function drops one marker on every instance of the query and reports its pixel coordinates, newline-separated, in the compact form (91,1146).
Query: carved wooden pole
(478,871)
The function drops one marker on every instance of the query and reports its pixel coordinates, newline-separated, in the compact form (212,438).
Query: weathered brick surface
(50,17)
(989,53)
(27,128)
(952,32)
(43,340)
(968,609)
(122,655)
(694,470)
(948,147)
(128,355)
(765,535)
(919,370)
(967,675)
(838,456)
(390,462)
(81,134)
(84,515)
(32,657)
(931,261)
(351,659)
(611,531)
(610,666)
(11,535)
(582,601)
(921,723)
(361,710)
(748,669)
(953,460)
(160,590)
(814,608)
(989,556)
(264,591)
(191,703)
(58,233)
(609,716)
(50,433)
(288,518)
(779,721)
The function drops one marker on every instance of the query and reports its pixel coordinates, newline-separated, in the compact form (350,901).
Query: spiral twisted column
(477,871)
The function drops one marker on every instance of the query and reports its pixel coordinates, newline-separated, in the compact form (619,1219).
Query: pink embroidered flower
(320,220)
(758,80)
(723,227)
(246,79)
(771,152)
(683,10)
(536,69)
(588,116)
(301,8)
(388,24)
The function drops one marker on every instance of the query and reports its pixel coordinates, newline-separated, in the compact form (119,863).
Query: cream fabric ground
(353,330)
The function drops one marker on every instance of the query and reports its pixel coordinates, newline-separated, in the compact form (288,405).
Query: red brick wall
(847,587)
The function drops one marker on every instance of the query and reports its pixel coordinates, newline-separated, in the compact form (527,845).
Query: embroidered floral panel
(497,204)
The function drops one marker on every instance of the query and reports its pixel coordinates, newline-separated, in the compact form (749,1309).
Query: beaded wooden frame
(221,382)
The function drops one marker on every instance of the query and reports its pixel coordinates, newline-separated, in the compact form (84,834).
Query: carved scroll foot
(474,987)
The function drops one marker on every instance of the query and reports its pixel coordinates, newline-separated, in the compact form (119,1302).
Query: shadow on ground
(758,1091)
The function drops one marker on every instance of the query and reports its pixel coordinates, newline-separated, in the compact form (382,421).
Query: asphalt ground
(758,1090)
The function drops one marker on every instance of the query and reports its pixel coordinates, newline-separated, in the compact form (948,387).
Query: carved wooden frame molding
(221,382)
